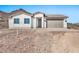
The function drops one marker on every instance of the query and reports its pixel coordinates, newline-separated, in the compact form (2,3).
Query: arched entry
(39,22)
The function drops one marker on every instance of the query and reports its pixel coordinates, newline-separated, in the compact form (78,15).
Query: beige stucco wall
(55,24)
(33,22)
(21,24)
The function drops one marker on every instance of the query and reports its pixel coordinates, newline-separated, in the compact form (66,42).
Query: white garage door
(55,23)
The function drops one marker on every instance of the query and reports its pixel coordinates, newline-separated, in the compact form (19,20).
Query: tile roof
(56,16)
(18,11)
(38,12)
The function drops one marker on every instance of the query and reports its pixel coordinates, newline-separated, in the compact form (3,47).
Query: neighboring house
(23,19)
(3,20)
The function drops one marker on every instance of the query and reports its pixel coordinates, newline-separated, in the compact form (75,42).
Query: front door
(39,22)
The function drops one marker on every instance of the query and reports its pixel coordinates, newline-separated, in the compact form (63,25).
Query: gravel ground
(39,41)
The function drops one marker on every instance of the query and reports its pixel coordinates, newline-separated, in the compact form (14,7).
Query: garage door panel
(54,24)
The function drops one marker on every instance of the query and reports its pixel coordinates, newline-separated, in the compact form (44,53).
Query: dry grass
(38,40)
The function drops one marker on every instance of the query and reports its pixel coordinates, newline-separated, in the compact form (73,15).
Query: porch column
(65,23)
(45,23)
(42,22)
(34,22)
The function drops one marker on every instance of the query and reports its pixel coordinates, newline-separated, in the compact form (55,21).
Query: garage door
(55,23)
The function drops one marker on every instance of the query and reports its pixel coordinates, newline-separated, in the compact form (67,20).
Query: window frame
(25,21)
(16,22)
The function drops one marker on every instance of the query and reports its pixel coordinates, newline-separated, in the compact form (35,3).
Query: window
(16,20)
(26,20)
(65,20)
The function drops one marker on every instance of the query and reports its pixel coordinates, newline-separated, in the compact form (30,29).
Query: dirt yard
(39,41)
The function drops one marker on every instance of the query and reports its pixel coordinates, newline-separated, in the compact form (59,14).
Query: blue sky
(69,10)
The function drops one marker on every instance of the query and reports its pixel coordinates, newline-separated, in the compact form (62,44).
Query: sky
(72,11)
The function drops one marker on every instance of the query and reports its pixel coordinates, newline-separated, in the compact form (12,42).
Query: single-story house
(23,19)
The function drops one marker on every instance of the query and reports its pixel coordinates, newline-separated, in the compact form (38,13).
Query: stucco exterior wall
(55,24)
(38,15)
(46,23)
(21,24)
